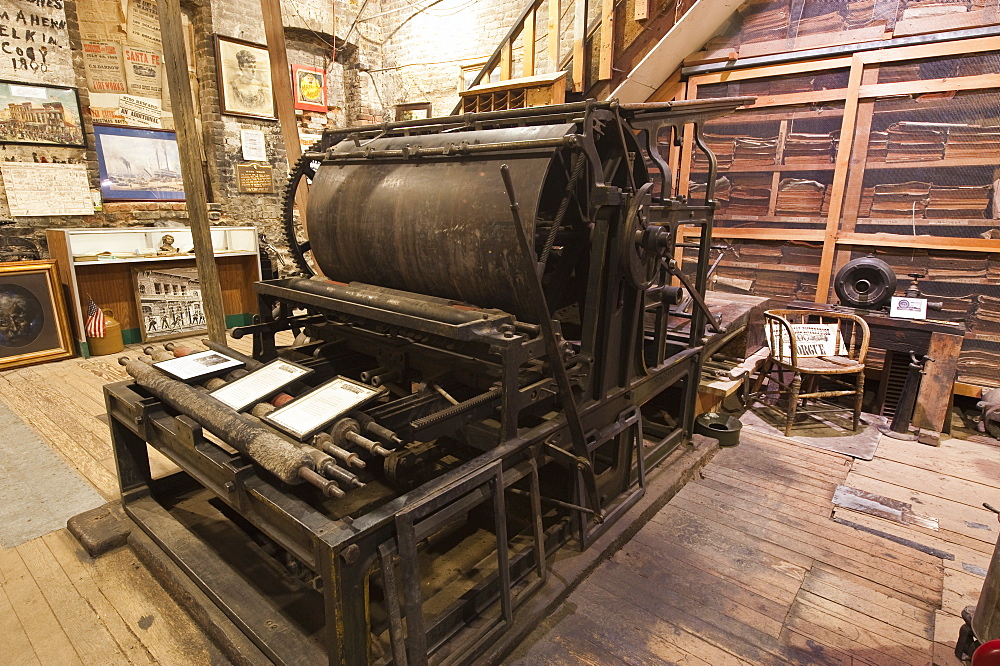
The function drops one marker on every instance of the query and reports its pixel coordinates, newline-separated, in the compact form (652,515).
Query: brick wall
(386,53)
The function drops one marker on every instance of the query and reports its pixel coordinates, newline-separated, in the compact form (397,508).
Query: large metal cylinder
(433,225)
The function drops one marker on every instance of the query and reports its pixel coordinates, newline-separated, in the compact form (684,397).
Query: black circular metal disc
(865,283)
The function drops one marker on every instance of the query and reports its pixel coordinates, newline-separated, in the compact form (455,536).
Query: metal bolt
(351,554)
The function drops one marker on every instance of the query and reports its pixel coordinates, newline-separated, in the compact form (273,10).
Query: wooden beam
(839,180)
(189,146)
(281,82)
(930,86)
(842,62)
(607,40)
(554,33)
(506,60)
(528,42)
(579,41)
(936,49)
(920,242)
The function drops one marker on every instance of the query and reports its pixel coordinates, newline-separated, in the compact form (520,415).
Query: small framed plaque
(200,365)
(260,384)
(321,406)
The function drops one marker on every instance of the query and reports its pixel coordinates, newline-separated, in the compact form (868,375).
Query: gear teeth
(288,211)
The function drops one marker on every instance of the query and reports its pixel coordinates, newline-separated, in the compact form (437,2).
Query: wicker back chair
(807,370)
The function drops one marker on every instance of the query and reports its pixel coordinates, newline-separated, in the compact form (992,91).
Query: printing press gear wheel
(644,244)
(295,234)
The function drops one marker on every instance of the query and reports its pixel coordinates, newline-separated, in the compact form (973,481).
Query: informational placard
(139,111)
(321,406)
(47,189)
(143,24)
(103,62)
(260,384)
(254,147)
(811,340)
(144,72)
(908,308)
(254,178)
(200,365)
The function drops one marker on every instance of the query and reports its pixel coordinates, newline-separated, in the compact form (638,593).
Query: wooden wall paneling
(236,276)
(111,287)
(841,164)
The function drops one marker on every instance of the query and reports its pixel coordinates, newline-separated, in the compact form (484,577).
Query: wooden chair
(807,369)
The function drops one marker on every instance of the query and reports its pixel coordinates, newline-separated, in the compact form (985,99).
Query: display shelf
(110,282)
(782,168)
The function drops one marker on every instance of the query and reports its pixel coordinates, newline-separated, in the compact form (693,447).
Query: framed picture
(43,115)
(309,87)
(169,302)
(244,78)
(413,111)
(138,164)
(34,326)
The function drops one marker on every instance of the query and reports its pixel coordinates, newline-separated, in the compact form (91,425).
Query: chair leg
(765,370)
(859,399)
(793,399)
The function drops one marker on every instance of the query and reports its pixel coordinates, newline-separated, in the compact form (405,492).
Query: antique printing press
(502,285)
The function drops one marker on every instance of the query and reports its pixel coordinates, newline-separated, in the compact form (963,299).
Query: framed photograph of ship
(138,164)
(42,115)
(169,302)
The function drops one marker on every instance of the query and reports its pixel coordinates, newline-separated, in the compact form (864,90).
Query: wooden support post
(579,40)
(607,40)
(839,181)
(554,34)
(506,60)
(190,149)
(528,41)
(281,82)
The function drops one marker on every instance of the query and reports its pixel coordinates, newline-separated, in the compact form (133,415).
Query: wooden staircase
(601,51)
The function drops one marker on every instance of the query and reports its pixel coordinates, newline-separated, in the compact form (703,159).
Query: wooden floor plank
(820,501)
(698,581)
(974,526)
(843,587)
(959,458)
(794,448)
(78,568)
(813,536)
(765,462)
(41,419)
(704,590)
(165,630)
(890,573)
(947,487)
(48,640)
(77,618)
(16,646)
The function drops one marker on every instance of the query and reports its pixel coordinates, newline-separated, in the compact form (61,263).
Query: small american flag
(94,323)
